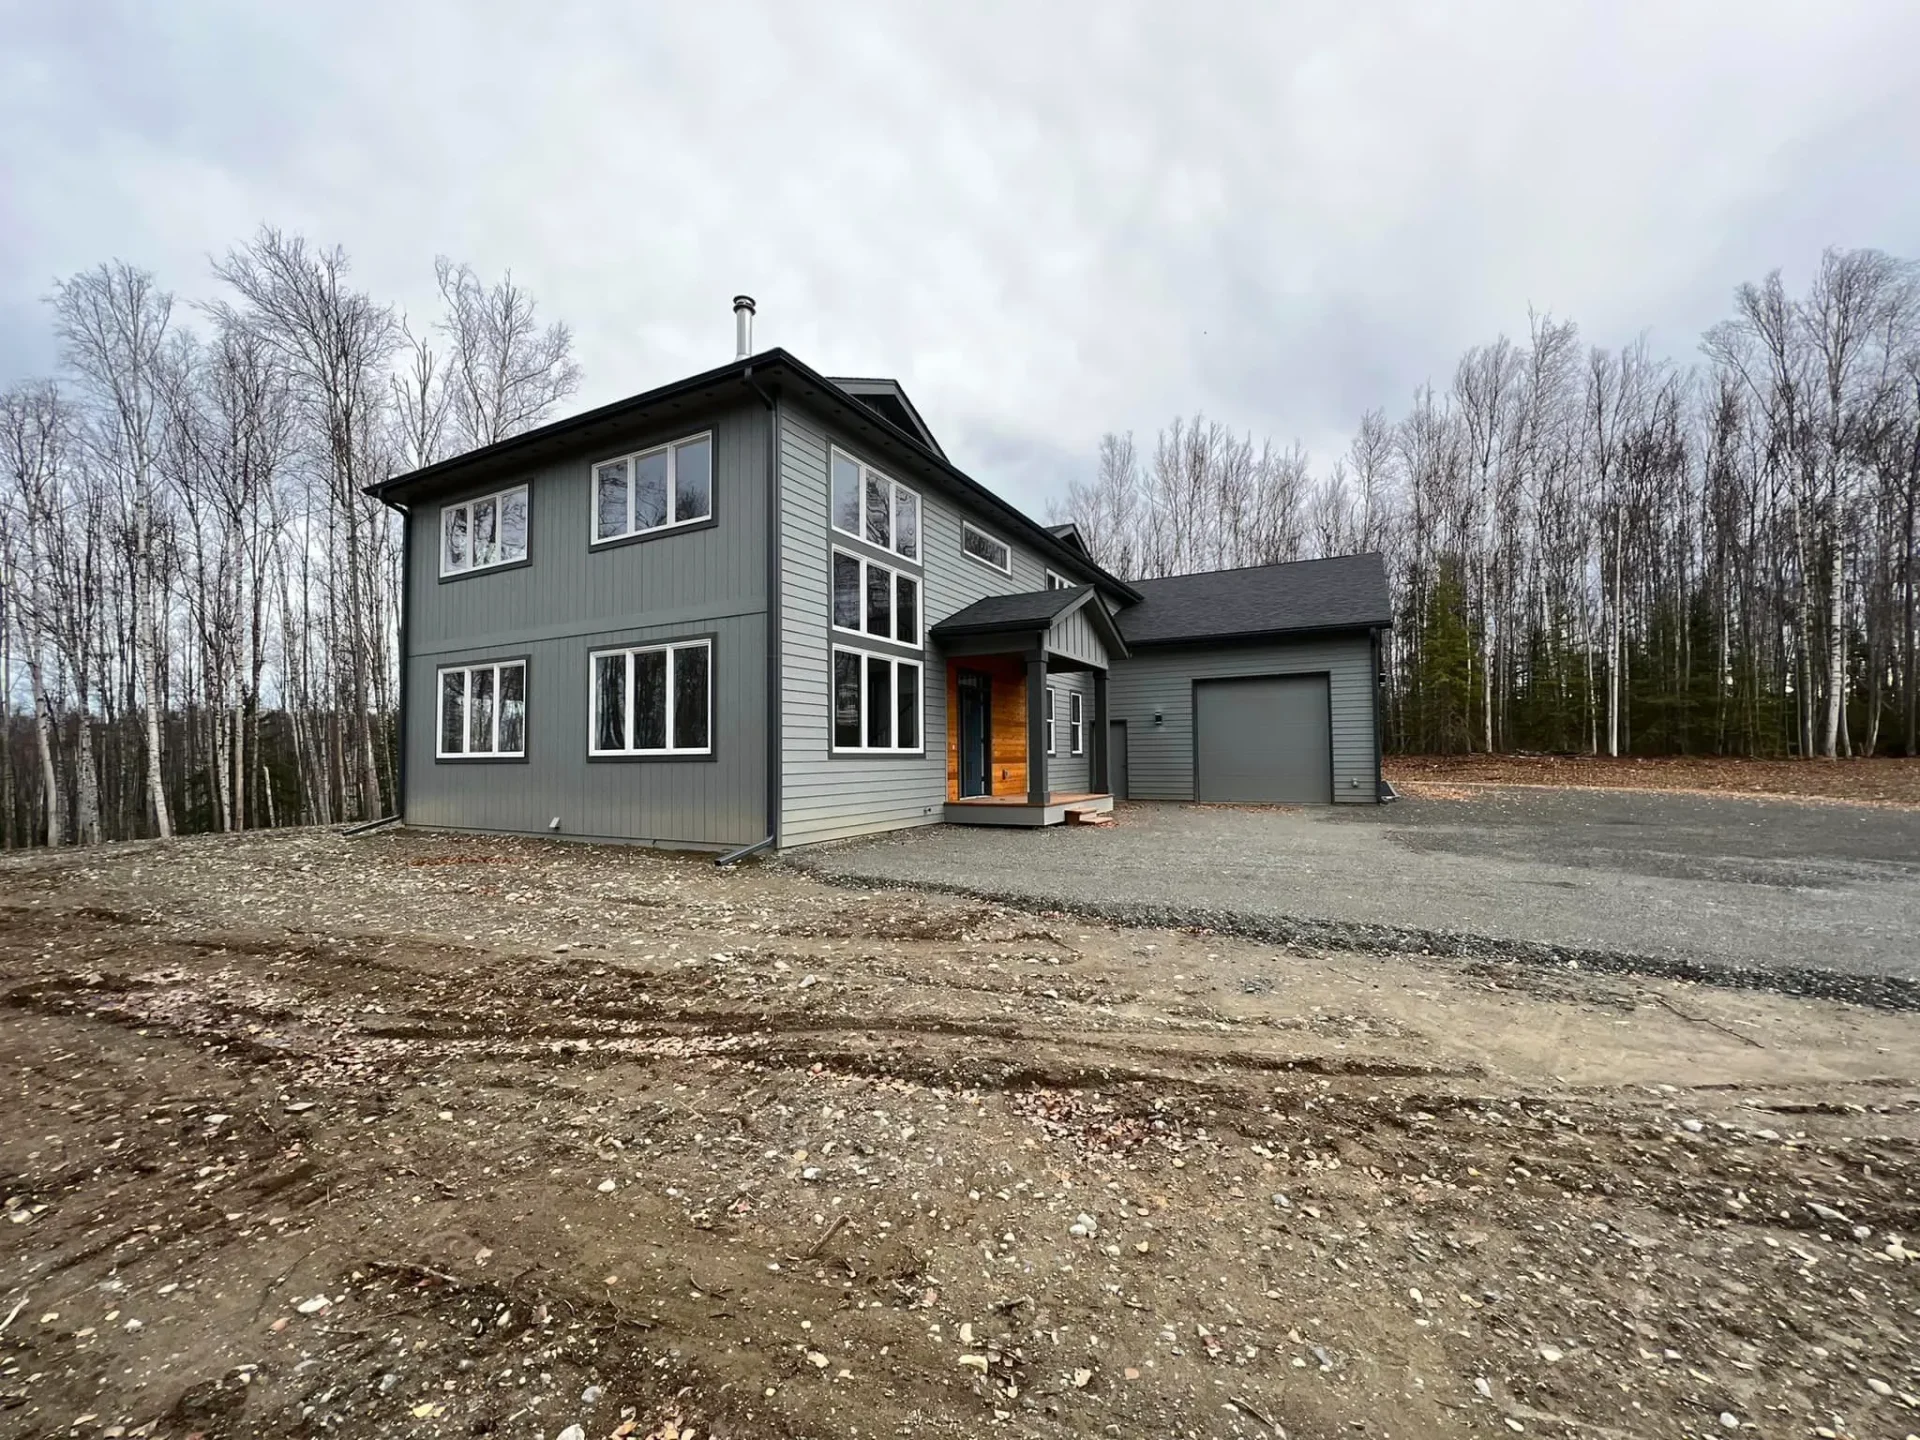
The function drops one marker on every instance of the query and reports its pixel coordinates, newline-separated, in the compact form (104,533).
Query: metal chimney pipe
(742,326)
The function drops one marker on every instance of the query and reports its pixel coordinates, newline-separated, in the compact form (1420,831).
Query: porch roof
(1032,612)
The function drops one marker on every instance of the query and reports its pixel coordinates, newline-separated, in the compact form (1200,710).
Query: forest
(198,602)
(1604,551)
(1590,550)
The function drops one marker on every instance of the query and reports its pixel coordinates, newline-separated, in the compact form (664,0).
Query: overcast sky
(1047,221)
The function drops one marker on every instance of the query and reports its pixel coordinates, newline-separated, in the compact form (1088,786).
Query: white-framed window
(655,489)
(1057,581)
(484,531)
(873,507)
(1076,744)
(651,700)
(989,551)
(483,711)
(1050,720)
(874,599)
(876,703)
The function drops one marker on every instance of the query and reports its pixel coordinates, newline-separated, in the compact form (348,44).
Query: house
(760,607)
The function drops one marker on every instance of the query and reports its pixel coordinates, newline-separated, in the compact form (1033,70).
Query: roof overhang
(1261,637)
(740,379)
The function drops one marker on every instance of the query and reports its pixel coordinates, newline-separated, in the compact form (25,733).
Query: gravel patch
(1818,901)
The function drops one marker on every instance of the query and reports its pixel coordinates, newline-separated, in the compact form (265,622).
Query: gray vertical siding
(1075,636)
(572,599)
(826,797)
(1160,757)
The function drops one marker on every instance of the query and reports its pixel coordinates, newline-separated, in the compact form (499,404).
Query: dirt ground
(424,1135)
(1879,781)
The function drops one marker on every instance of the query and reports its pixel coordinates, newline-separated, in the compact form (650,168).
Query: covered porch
(1026,675)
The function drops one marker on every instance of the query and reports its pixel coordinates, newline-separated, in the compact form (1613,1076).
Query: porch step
(1087,815)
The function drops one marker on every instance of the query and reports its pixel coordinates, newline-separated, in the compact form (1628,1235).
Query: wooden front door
(976,733)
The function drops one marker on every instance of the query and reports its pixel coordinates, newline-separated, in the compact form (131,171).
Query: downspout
(406,609)
(1381,790)
(774,715)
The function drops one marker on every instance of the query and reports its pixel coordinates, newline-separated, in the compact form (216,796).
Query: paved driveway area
(1817,898)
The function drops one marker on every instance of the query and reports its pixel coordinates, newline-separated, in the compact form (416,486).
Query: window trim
(440,535)
(918,558)
(1056,581)
(1076,723)
(893,604)
(671,448)
(488,757)
(677,642)
(965,526)
(1051,750)
(835,750)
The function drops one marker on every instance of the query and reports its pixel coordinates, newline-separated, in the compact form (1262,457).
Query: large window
(876,703)
(873,599)
(869,506)
(483,711)
(986,549)
(485,531)
(1076,743)
(1050,749)
(652,700)
(655,489)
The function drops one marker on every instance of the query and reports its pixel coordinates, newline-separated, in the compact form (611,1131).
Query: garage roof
(1346,592)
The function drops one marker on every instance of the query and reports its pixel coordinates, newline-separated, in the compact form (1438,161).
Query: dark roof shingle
(1029,610)
(1346,592)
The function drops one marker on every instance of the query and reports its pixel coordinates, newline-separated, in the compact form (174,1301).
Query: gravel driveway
(1805,898)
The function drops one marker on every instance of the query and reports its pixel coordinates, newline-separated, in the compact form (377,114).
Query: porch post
(1037,727)
(1097,753)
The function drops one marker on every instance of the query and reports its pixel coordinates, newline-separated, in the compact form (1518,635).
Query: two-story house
(760,607)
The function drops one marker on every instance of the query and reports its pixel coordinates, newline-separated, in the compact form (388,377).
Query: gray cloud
(1047,221)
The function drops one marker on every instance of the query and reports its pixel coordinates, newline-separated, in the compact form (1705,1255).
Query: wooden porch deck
(1054,797)
(1018,810)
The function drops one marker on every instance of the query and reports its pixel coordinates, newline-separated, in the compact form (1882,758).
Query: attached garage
(1255,686)
(1264,739)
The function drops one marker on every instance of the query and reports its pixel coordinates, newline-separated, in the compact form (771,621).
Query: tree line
(1604,550)
(198,601)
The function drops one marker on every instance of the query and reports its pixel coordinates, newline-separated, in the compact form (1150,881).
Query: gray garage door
(1263,740)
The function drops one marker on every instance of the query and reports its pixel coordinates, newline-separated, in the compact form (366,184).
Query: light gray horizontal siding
(827,798)
(1160,757)
(572,598)
(1067,772)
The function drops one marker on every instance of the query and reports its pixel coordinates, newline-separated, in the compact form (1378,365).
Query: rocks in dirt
(1084,1226)
(607,1187)
(1483,1388)
(1552,1354)
(1827,1212)
(572,1432)
(313,1306)
(1729,1420)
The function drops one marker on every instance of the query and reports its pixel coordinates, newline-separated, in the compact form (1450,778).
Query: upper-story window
(1057,581)
(985,548)
(872,507)
(875,599)
(485,531)
(654,489)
